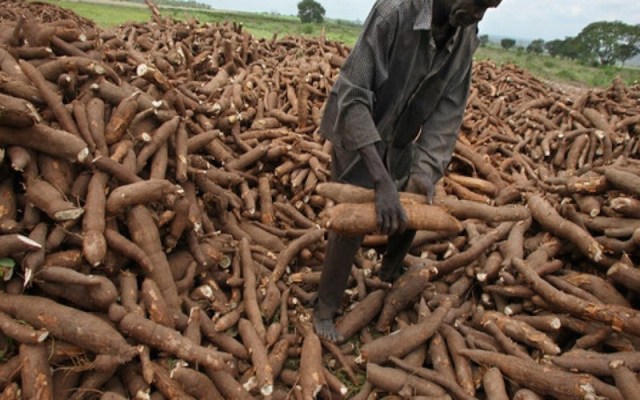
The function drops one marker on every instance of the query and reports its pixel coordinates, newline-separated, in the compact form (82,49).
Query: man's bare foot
(326,329)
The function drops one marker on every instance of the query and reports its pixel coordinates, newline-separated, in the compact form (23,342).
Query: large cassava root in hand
(361,218)
(461,209)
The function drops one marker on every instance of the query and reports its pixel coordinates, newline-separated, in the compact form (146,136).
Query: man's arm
(350,122)
(366,69)
(438,137)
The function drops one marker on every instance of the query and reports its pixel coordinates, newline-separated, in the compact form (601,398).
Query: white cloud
(555,19)
(575,10)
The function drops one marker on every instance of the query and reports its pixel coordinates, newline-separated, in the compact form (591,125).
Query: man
(393,116)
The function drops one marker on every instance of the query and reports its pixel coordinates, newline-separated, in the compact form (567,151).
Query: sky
(517,19)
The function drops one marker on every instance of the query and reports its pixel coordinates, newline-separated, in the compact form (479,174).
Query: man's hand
(421,183)
(390,213)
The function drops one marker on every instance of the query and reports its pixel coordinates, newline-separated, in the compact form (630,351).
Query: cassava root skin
(360,219)
(89,332)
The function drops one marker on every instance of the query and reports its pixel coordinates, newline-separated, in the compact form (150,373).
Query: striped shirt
(397,90)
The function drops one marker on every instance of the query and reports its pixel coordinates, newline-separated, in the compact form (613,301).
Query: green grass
(106,15)
(265,25)
(550,68)
(259,25)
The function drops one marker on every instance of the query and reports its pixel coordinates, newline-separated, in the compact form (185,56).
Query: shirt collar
(425,16)
(425,19)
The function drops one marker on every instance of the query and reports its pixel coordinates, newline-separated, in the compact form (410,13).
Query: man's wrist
(374,164)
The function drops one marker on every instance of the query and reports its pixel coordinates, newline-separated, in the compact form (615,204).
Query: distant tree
(554,47)
(608,43)
(575,49)
(537,46)
(484,40)
(628,51)
(310,11)
(507,43)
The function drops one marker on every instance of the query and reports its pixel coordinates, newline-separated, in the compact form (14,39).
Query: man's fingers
(424,186)
(388,223)
(384,226)
(421,184)
(393,223)
(403,222)
(429,191)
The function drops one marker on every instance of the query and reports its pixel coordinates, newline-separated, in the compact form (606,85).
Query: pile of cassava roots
(165,200)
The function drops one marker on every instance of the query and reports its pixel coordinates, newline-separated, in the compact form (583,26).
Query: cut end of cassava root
(266,390)
(29,242)
(83,155)
(42,336)
(555,323)
(66,215)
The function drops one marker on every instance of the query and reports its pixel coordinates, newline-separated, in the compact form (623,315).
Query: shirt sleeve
(365,70)
(439,133)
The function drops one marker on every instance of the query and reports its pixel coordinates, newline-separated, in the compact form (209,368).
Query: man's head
(466,12)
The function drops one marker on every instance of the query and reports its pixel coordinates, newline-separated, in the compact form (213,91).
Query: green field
(265,25)
(113,13)
(558,69)
(106,15)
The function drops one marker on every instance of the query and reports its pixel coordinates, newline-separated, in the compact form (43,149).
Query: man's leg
(398,246)
(341,251)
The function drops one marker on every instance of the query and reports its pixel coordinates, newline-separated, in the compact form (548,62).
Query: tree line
(176,3)
(599,43)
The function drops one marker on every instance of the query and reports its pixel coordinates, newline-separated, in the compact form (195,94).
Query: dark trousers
(342,249)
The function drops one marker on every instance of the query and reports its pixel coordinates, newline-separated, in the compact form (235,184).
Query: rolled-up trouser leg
(398,246)
(338,260)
